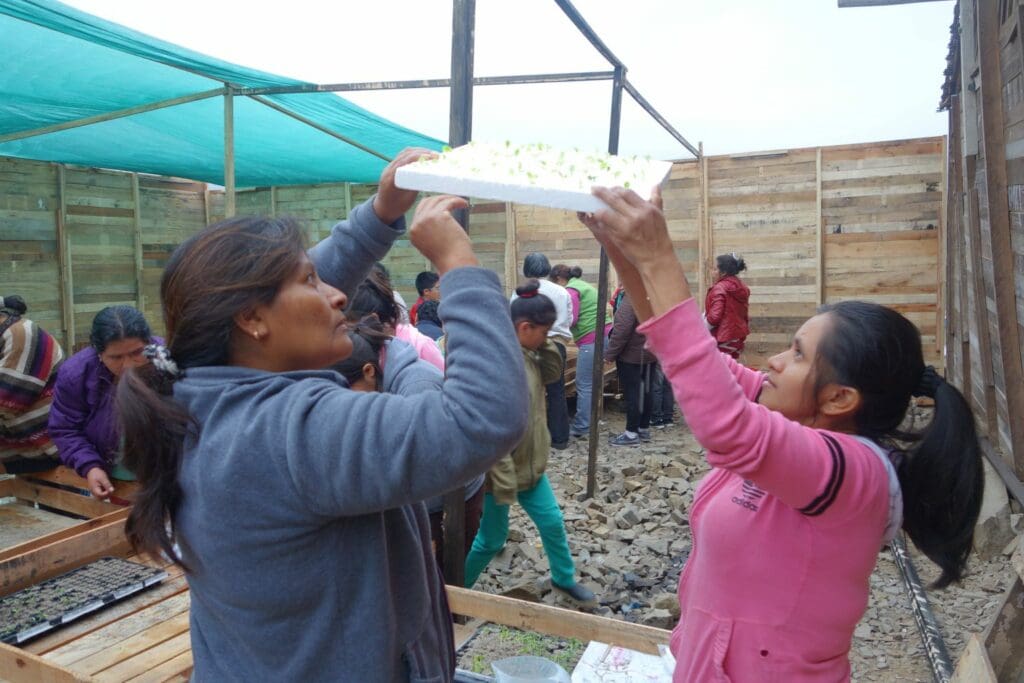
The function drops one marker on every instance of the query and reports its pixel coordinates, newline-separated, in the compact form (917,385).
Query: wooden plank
(1003,638)
(58,557)
(705,241)
(20,523)
(125,647)
(980,313)
(180,666)
(820,230)
(67,299)
(83,652)
(940,311)
(146,660)
(974,666)
(1003,265)
(78,528)
(104,211)
(59,499)
(140,297)
(18,666)
(555,621)
(110,615)
(66,476)
(511,250)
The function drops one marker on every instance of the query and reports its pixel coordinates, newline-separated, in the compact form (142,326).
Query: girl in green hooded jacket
(520,475)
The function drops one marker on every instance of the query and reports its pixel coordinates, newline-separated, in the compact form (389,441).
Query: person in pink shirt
(375,297)
(809,478)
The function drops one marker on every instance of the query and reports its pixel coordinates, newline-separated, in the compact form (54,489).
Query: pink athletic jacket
(426,348)
(786,526)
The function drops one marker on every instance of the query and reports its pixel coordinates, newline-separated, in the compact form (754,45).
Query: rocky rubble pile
(630,543)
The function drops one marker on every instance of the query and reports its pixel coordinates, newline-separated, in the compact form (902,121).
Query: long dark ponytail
(877,351)
(212,276)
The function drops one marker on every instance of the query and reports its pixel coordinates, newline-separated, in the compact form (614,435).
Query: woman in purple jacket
(82,420)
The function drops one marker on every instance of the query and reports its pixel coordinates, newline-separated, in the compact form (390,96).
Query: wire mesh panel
(47,605)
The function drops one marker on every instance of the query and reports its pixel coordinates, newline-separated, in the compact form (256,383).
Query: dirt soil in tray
(630,543)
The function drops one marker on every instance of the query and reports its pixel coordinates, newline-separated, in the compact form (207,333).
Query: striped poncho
(29,358)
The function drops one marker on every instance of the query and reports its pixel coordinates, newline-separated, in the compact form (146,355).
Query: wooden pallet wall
(814,225)
(984,276)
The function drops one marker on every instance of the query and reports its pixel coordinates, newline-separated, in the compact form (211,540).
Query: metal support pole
(523,79)
(229,153)
(931,634)
(111,116)
(459,132)
(597,391)
(460,127)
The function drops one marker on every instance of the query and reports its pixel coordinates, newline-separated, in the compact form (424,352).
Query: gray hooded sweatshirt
(308,558)
(405,373)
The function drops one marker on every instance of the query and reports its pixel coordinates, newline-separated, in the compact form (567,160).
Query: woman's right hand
(99,483)
(439,237)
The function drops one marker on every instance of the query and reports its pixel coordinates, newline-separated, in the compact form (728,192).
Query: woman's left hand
(633,225)
(635,235)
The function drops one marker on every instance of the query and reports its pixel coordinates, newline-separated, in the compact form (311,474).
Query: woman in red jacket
(725,307)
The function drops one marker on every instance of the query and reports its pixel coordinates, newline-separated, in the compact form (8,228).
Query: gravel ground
(631,541)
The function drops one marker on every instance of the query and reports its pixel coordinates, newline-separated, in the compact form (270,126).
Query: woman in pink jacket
(807,479)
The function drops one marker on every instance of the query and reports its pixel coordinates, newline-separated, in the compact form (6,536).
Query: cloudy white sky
(739,75)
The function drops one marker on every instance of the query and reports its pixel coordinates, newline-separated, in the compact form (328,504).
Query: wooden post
(511,250)
(707,239)
(140,298)
(273,201)
(957,337)
(348,199)
(206,204)
(702,217)
(820,227)
(229,153)
(942,303)
(67,299)
(999,224)
(980,318)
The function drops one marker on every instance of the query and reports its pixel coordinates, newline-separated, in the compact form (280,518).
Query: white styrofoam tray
(531,174)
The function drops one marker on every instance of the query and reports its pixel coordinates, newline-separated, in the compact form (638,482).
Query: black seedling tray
(47,605)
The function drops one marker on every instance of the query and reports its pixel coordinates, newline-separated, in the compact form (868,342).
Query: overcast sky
(739,75)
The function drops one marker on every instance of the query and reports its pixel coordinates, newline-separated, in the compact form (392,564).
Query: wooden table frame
(145,638)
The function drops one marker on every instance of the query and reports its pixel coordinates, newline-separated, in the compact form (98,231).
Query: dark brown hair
(224,269)
(374,296)
(877,351)
(564,272)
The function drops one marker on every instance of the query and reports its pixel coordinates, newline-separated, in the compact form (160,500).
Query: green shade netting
(62,64)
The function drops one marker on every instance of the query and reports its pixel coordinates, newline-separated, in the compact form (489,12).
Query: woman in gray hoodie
(291,497)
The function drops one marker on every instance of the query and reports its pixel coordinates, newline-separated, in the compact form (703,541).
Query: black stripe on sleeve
(835,480)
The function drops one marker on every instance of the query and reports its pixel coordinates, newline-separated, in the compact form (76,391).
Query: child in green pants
(520,475)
